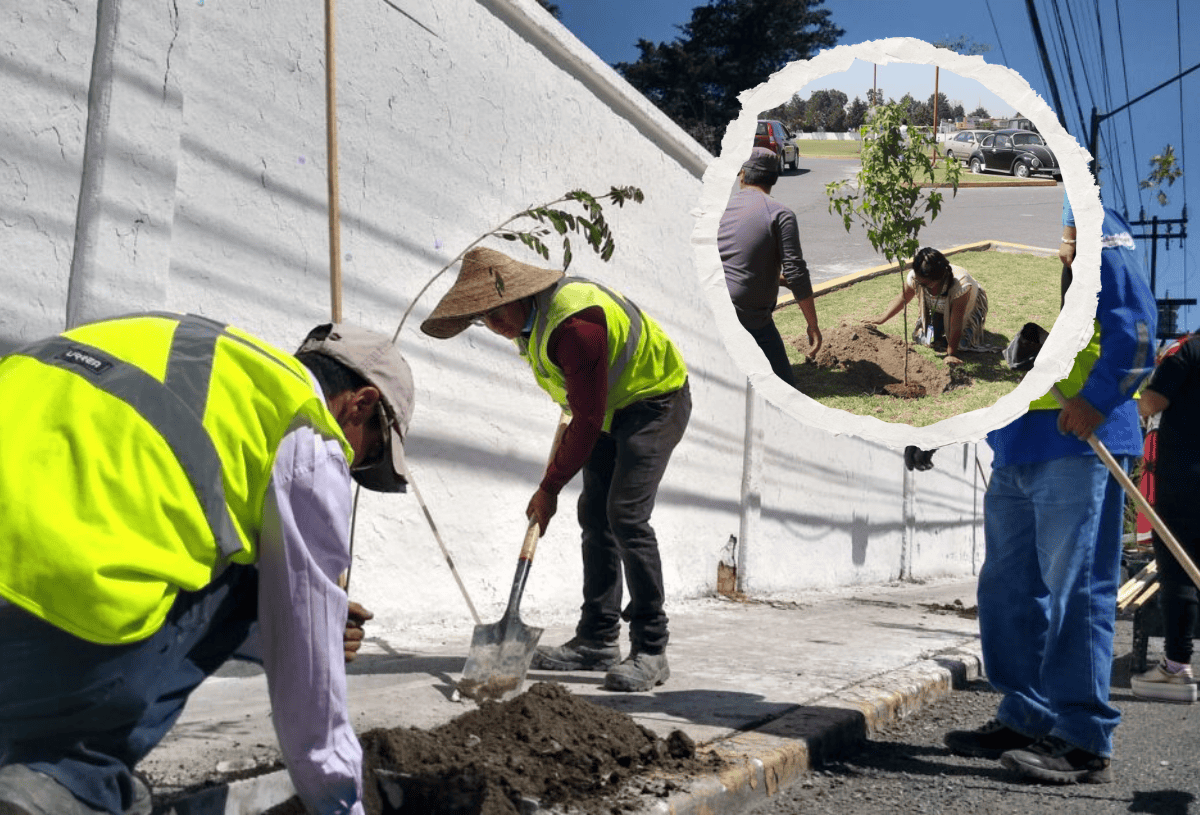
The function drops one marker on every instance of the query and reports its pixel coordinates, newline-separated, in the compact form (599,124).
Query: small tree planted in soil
(886,196)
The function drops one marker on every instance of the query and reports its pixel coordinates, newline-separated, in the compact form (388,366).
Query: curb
(761,762)
(876,271)
(772,758)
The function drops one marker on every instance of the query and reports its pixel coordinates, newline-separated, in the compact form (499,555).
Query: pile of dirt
(870,361)
(544,746)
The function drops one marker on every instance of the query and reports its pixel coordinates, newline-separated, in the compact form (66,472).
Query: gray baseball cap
(376,359)
(762,158)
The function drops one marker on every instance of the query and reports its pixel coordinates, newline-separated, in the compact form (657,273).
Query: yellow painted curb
(762,764)
(875,271)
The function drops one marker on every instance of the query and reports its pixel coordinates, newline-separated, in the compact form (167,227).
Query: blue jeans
(86,714)
(1047,597)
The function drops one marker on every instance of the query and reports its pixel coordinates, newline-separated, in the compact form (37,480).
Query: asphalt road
(1030,215)
(905,769)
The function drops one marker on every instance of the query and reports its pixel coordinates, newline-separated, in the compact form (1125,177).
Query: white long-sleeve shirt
(303,547)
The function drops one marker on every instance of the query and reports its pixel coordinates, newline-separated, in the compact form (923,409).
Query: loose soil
(544,746)
(870,361)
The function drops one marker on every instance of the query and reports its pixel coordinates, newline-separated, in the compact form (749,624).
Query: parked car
(962,144)
(774,136)
(1020,152)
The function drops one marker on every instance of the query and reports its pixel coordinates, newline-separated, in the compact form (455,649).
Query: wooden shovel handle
(1132,491)
(531,534)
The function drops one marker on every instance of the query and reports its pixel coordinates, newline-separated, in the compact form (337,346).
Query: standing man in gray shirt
(759,242)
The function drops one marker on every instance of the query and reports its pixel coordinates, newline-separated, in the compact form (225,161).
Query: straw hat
(486,280)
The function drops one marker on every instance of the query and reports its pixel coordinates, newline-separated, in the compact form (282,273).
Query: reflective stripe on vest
(174,408)
(632,312)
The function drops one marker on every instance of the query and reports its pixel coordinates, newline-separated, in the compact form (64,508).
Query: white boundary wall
(203,189)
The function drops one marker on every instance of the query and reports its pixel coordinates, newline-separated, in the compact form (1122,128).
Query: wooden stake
(335,241)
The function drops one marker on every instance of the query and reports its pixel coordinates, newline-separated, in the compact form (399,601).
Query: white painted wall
(203,186)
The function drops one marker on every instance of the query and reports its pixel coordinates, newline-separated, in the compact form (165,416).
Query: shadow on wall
(7,346)
(860,534)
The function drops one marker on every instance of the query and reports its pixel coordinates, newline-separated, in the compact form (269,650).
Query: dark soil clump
(870,361)
(544,746)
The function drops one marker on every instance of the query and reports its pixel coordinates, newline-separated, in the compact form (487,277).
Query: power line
(988,4)
(1128,111)
(1066,60)
(1116,156)
(1182,127)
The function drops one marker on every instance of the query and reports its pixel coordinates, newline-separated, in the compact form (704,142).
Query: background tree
(908,108)
(964,45)
(1163,167)
(727,47)
(791,113)
(856,116)
(980,113)
(886,196)
(875,96)
(825,109)
(945,108)
(553,8)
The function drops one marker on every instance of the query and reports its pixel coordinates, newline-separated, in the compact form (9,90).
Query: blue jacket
(1128,317)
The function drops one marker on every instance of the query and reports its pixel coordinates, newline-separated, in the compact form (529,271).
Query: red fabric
(1149,455)
(579,347)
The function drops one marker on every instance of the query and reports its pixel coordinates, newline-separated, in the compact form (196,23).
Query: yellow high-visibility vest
(642,360)
(1084,361)
(135,455)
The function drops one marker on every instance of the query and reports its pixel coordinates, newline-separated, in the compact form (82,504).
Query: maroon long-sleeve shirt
(579,346)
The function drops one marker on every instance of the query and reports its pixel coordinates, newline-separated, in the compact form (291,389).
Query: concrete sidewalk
(772,685)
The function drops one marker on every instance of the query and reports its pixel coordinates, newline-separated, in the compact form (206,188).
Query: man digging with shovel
(624,384)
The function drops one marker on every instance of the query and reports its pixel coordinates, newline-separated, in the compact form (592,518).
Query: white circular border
(1072,329)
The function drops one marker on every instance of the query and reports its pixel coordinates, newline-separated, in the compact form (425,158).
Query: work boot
(1054,760)
(1164,685)
(991,740)
(25,791)
(639,672)
(577,654)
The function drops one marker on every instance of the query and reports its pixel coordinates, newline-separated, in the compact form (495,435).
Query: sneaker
(991,740)
(639,672)
(1054,760)
(1160,684)
(577,654)
(25,791)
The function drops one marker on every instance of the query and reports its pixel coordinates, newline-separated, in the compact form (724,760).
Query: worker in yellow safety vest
(624,383)
(169,487)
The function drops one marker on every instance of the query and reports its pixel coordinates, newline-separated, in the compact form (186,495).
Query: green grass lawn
(1021,288)
(814,148)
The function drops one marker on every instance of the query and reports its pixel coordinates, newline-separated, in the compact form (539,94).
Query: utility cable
(999,42)
(1182,136)
(1128,111)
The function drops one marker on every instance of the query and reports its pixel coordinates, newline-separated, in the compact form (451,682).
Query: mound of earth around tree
(870,361)
(544,748)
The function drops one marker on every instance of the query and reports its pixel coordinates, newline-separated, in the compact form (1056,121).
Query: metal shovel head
(498,660)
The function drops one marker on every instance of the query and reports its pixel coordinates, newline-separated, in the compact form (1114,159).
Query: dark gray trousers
(620,484)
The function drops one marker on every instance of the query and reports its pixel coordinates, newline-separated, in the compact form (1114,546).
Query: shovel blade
(498,660)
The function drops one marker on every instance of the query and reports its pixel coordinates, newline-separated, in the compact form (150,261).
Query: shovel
(1020,355)
(501,652)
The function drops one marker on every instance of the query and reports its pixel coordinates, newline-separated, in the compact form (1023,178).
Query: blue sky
(1118,50)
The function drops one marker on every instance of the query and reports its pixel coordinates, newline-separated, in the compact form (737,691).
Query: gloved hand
(917,459)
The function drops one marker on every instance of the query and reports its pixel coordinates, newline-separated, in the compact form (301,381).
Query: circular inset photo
(882,224)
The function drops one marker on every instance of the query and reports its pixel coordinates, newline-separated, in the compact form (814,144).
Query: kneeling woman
(952,303)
